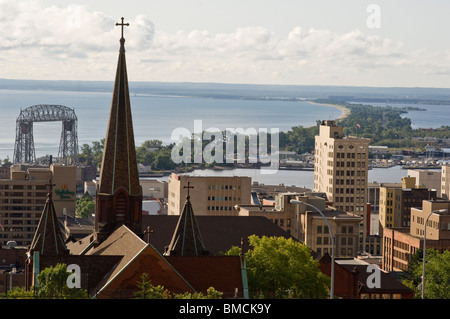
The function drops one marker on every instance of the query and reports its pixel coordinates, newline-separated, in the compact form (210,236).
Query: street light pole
(294,201)
(425,248)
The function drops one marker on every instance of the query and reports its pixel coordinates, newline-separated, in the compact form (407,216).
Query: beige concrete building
(151,188)
(427,178)
(313,229)
(23,195)
(397,199)
(283,213)
(308,226)
(341,171)
(387,204)
(210,195)
(438,225)
(400,243)
(445,182)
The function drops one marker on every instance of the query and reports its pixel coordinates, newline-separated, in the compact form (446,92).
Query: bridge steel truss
(24,151)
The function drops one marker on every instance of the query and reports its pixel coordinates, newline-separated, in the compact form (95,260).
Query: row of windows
(346,241)
(349,173)
(222,198)
(22,194)
(38,187)
(380,296)
(351,155)
(340,181)
(350,208)
(350,200)
(350,164)
(280,222)
(224,187)
(219,208)
(21,215)
(340,190)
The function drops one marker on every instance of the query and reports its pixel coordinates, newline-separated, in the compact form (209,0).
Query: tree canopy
(283,268)
(437,274)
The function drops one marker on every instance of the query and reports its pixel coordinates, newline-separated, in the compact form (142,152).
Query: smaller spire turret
(48,239)
(186,239)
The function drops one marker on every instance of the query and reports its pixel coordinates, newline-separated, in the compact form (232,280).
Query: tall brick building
(399,243)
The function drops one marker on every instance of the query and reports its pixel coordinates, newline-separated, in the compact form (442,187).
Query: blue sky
(323,42)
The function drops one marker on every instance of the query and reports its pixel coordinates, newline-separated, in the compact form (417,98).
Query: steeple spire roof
(186,239)
(119,166)
(48,238)
(119,193)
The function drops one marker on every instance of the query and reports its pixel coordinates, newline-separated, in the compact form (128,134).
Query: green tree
(148,291)
(92,155)
(6,161)
(85,206)
(283,268)
(20,293)
(53,284)
(163,160)
(211,293)
(437,274)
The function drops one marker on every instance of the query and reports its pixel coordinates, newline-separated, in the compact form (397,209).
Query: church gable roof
(138,258)
(224,273)
(219,233)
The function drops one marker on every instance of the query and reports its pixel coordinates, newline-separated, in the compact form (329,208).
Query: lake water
(300,178)
(434,117)
(154,116)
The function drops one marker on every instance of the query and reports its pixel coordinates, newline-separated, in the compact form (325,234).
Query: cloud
(72,42)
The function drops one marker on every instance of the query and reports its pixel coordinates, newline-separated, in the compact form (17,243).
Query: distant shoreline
(345,110)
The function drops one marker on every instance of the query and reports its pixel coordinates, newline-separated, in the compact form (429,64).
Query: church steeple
(119,194)
(186,239)
(48,239)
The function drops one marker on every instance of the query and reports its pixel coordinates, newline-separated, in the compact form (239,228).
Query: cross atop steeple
(122,24)
(188,187)
(50,191)
(122,39)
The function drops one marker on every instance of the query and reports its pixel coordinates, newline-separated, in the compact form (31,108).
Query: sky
(384,43)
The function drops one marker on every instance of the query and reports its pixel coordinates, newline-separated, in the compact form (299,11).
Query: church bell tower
(119,194)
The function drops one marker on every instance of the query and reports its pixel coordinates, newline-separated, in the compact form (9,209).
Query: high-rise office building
(340,171)
(23,196)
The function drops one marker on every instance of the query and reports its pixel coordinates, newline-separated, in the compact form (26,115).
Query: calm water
(300,178)
(154,117)
(434,117)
